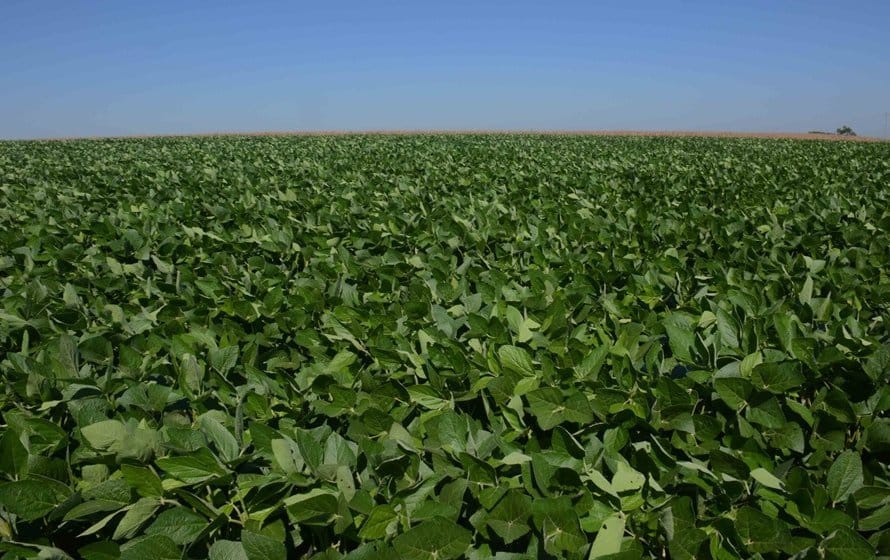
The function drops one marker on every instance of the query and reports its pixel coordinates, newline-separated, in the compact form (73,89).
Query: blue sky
(89,68)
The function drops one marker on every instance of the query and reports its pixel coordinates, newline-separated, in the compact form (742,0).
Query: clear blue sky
(86,67)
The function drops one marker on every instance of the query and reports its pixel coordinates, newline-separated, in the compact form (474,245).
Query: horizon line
(459,132)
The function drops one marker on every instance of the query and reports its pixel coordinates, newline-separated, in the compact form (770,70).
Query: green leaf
(223,360)
(107,435)
(627,479)
(135,517)
(777,377)
(180,524)
(12,321)
(92,507)
(766,478)
(845,476)
(29,550)
(13,455)
(99,525)
(191,373)
(317,502)
(734,391)
(196,467)
(609,537)
(878,364)
(767,413)
(684,539)
(592,364)
(436,539)
(32,498)
(790,436)
(558,523)
(723,462)
(681,335)
(131,441)
(510,517)
(875,520)
(846,544)
(227,550)
(262,547)
(516,359)
(728,329)
(103,550)
(144,480)
(156,547)
(287,455)
(869,497)
(448,431)
(761,533)
(549,407)
(806,292)
(225,442)
(380,518)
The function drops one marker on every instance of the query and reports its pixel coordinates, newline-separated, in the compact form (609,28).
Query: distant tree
(846,131)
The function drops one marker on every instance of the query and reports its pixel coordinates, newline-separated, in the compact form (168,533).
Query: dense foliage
(430,347)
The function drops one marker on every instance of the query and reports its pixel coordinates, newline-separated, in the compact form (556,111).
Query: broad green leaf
(196,467)
(627,479)
(262,547)
(684,538)
(379,519)
(728,329)
(844,476)
(551,410)
(734,391)
(845,544)
(135,518)
(876,519)
(180,524)
(315,503)
(726,463)
(13,455)
(511,516)
(766,478)
(806,292)
(681,334)
(103,550)
(223,359)
(225,442)
(878,364)
(609,537)
(592,364)
(558,524)
(436,539)
(287,455)
(107,435)
(32,498)
(92,507)
(516,359)
(227,550)
(761,533)
(144,480)
(156,547)
(777,377)
(767,412)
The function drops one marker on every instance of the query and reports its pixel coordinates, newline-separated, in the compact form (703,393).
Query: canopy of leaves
(444,346)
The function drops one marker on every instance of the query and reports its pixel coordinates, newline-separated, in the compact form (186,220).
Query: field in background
(608,133)
(435,346)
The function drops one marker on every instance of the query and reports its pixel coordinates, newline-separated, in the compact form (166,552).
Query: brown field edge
(651,133)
